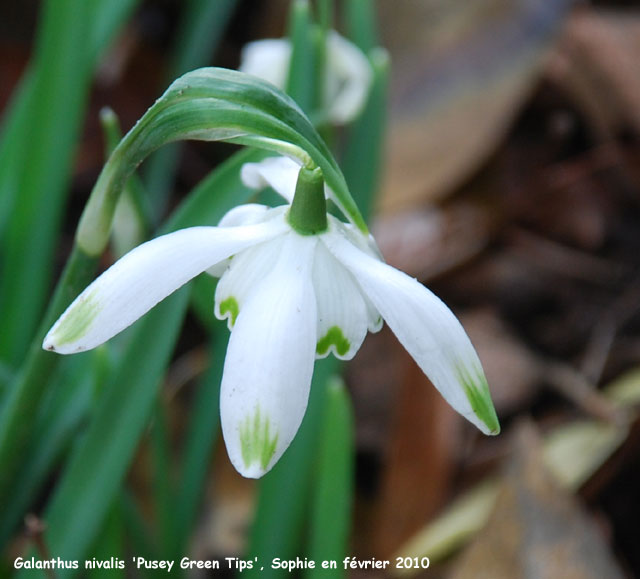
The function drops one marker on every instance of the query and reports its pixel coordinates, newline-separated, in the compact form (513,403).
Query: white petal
(426,328)
(367,244)
(143,277)
(269,362)
(267,59)
(279,173)
(247,214)
(342,313)
(348,79)
(246,271)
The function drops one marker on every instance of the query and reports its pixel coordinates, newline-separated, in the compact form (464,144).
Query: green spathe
(256,440)
(334,337)
(308,213)
(79,321)
(476,388)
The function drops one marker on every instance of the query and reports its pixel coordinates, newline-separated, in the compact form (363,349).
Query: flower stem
(308,213)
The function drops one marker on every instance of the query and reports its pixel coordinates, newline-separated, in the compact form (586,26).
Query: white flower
(288,298)
(347,75)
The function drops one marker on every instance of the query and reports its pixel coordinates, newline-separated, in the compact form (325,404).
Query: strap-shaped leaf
(213,104)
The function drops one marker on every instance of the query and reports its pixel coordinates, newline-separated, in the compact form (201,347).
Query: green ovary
(230,306)
(334,337)
(256,440)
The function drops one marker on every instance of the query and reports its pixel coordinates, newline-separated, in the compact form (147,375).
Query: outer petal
(143,277)
(267,59)
(269,362)
(426,328)
(348,79)
(342,312)
(244,275)
(279,173)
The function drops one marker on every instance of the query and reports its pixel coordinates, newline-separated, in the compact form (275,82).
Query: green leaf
(200,29)
(59,91)
(360,21)
(201,437)
(363,155)
(302,78)
(278,529)
(213,104)
(95,471)
(68,401)
(39,137)
(17,413)
(109,547)
(332,502)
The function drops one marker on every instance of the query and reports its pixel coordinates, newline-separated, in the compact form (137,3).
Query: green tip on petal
(75,324)
(334,337)
(256,442)
(229,308)
(476,388)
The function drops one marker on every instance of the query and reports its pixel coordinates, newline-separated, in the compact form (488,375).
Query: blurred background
(510,185)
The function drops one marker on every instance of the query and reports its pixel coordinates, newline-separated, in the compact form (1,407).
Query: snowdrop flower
(347,79)
(296,284)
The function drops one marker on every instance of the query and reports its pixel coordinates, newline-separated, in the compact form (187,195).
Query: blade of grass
(163,484)
(17,413)
(332,502)
(201,437)
(54,429)
(132,214)
(137,531)
(360,23)
(41,133)
(109,547)
(109,16)
(201,27)
(364,150)
(284,494)
(302,82)
(60,89)
(95,471)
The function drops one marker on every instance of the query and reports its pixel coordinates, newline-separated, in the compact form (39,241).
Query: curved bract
(213,104)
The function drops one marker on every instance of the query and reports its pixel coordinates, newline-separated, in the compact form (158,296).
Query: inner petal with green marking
(230,309)
(257,442)
(334,337)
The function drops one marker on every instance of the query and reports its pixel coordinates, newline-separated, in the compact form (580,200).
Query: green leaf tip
(334,337)
(476,388)
(77,321)
(256,441)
